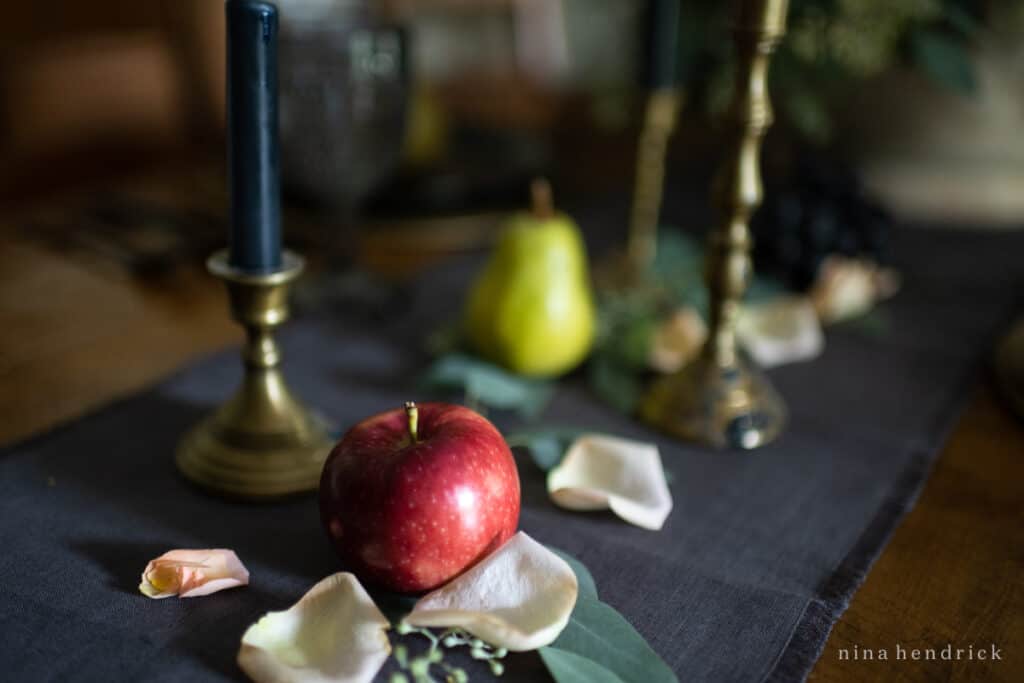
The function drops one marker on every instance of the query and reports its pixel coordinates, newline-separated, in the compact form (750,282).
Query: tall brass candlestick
(661,75)
(660,121)
(263,443)
(720,399)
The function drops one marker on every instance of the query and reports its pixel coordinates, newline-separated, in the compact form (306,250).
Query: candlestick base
(724,407)
(263,443)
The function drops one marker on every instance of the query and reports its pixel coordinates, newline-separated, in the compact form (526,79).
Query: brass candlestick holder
(659,124)
(631,269)
(720,399)
(263,443)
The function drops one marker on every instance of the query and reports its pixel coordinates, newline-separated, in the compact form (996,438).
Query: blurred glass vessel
(344,79)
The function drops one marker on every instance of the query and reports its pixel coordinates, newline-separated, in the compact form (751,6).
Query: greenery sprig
(421,666)
(598,644)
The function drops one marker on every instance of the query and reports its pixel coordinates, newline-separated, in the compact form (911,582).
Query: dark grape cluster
(823,210)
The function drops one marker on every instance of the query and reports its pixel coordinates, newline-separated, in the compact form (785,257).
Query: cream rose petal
(191,573)
(847,287)
(784,330)
(601,472)
(677,340)
(519,597)
(334,634)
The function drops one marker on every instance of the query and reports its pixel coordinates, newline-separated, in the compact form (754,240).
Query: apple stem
(414,418)
(541,203)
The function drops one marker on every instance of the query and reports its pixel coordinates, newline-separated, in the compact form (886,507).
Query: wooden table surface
(77,335)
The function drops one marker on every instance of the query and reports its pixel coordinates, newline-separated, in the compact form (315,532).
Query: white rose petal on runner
(334,634)
(605,472)
(785,330)
(519,597)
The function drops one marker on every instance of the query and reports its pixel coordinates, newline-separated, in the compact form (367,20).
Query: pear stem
(413,413)
(541,203)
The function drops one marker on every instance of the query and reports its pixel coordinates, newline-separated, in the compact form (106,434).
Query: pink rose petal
(191,573)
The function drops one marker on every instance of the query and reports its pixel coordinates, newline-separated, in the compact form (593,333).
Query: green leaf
(546,452)
(598,644)
(632,346)
(487,384)
(679,268)
(614,383)
(599,633)
(394,606)
(546,445)
(763,289)
(961,20)
(944,60)
(569,667)
(584,578)
(678,252)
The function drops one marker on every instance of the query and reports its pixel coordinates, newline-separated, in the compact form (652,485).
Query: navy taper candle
(661,67)
(254,176)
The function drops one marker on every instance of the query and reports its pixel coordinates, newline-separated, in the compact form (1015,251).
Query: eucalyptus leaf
(614,383)
(763,289)
(569,667)
(598,644)
(487,384)
(944,60)
(679,268)
(546,445)
(588,588)
(394,606)
(599,633)
(961,20)
(523,437)
(677,254)
(546,452)
(632,347)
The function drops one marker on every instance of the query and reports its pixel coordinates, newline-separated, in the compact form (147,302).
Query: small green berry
(497,668)
(419,666)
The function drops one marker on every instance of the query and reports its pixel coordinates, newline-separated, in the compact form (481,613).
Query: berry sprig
(420,667)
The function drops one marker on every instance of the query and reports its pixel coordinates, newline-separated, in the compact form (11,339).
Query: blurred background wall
(924,97)
(105,84)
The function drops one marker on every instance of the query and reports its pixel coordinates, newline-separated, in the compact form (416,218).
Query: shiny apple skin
(409,517)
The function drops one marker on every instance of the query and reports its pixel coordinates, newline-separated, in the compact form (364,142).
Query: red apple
(412,498)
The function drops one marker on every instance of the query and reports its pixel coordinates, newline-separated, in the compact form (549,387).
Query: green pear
(531,310)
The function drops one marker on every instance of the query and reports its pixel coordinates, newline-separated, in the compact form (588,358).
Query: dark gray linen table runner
(759,557)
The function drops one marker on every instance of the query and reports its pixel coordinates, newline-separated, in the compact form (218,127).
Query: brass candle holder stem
(659,124)
(263,443)
(720,399)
